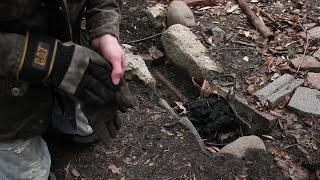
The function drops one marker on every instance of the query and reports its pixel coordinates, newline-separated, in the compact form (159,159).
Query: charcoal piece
(212,101)
(215,111)
(226,108)
(195,120)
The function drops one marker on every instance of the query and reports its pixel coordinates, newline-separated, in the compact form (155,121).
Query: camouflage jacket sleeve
(103,17)
(11,52)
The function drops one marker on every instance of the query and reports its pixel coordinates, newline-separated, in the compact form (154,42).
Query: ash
(212,115)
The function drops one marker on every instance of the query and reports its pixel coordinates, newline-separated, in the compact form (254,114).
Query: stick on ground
(172,87)
(256,21)
(187,123)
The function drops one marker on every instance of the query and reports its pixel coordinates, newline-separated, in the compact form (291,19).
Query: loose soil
(151,146)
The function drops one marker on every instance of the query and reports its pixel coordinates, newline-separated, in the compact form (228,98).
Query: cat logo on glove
(41,55)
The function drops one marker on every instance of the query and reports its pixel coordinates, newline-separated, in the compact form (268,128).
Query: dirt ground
(148,147)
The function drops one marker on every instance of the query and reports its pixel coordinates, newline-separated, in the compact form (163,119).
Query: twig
(146,38)
(187,123)
(314,138)
(290,146)
(271,19)
(273,51)
(257,22)
(235,48)
(305,49)
(244,43)
(238,116)
(215,144)
(171,86)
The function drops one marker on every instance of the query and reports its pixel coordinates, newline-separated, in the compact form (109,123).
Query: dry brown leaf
(285,102)
(251,89)
(114,169)
(269,62)
(205,89)
(251,80)
(213,149)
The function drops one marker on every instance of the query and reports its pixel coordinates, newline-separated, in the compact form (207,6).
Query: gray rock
(137,67)
(180,13)
(309,63)
(306,102)
(271,88)
(218,33)
(240,146)
(313,33)
(317,54)
(287,90)
(314,79)
(157,14)
(184,49)
(309,25)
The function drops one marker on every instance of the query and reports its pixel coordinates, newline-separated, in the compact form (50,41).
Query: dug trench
(218,116)
(152,145)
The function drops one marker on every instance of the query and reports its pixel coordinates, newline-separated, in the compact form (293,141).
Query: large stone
(180,13)
(309,63)
(157,14)
(137,67)
(240,146)
(317,54)
(313,33)
(306,102)
(276,98)
(273,87)
(183,48)
(314,79)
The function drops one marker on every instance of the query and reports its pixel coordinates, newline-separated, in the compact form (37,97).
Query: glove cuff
(38,58)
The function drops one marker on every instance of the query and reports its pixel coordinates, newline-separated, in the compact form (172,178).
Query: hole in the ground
(215,120)
(212,116)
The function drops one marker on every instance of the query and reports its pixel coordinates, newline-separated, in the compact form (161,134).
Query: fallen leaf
(114,169)
(75,173)
(246,58)
(284,102)
(251,89)
(180,105)
(169,133)
(205,89)
(213,149)
(270,61)
(210,149)
(268,137)
(251,80)
(274,76)
(246,33)
(233,8)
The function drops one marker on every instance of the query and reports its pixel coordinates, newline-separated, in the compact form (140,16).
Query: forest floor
(147,148)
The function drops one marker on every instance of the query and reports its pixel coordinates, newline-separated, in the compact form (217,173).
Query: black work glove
(79,72)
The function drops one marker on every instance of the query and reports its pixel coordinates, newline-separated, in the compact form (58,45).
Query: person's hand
(111,50)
